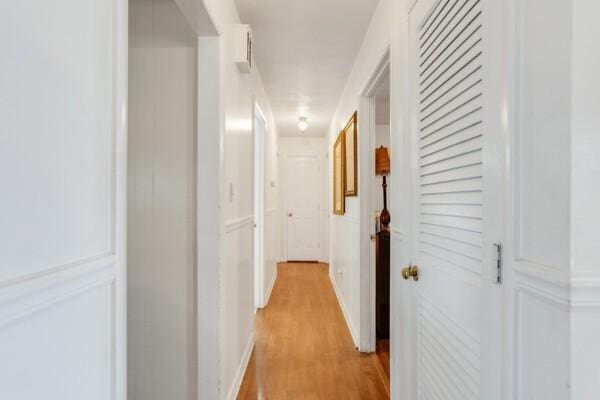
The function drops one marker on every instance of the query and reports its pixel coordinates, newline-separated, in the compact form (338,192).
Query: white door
(63,91)
(456,191)
(303,194)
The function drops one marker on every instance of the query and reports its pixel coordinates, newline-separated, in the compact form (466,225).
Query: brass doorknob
(411,272)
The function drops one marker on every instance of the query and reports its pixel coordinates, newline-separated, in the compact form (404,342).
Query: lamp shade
(382,161)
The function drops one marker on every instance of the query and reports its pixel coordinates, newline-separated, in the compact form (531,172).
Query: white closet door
(450,240)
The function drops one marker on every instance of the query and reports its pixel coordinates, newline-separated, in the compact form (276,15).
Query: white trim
(119,268)
(22,297)
(270,289)
(238,223)
(585,291)
(209,216)
(345,312)
(544,282)
(241,371)
(260,213)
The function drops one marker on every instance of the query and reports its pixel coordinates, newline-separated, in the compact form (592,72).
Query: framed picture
(339,179)
(350,133)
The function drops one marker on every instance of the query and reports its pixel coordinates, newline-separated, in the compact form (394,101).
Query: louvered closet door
(447,67)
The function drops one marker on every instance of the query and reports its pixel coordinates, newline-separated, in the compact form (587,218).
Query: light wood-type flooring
(303,347)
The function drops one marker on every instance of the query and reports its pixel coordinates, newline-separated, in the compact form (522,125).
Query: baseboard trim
(270,290)
(345,312)
(239,376)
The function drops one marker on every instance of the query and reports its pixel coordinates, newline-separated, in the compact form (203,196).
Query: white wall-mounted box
(242,48)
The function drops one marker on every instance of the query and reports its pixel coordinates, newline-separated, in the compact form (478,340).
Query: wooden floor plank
(303,347)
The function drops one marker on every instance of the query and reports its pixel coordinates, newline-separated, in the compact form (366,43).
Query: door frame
(316,156)
(367,123)
(259,206)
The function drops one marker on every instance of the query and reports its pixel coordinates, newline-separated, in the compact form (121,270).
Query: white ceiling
(305,50)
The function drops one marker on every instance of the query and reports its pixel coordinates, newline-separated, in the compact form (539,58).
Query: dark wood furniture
(382,279)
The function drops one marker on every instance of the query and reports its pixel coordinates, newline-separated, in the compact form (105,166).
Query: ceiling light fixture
(302,124)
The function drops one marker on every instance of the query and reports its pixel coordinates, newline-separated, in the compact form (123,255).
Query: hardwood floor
(383,353)
(303,347)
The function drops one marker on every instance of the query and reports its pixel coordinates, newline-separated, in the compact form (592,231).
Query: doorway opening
(162,182)
(374,122)
(380,193)
(259,206)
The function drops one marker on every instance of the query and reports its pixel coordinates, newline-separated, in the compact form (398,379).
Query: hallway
(303,348)
(258,199)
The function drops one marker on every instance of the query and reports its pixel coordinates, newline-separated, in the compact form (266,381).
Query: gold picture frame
(339,179)
(350,133)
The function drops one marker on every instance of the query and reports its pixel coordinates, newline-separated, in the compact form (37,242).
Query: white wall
(62,142)
(230,327)
(162,202)
(315,147)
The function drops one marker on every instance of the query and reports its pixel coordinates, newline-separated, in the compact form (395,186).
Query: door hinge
(498,278)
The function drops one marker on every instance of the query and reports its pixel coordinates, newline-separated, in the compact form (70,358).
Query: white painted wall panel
(544,140)
(56,122)
(61,147)
(237,312)
(543,356)
(63,367)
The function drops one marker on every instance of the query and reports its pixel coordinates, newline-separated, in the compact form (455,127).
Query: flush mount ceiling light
(302,124)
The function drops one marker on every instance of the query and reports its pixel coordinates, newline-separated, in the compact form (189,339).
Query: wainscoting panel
(542,340)
(57,329)
(237,294)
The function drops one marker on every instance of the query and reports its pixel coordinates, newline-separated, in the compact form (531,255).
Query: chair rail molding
(26,295)
(239,223)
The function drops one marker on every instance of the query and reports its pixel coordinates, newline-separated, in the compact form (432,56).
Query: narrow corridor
(303,347)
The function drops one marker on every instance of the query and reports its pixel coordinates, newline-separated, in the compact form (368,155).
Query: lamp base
(384,217)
